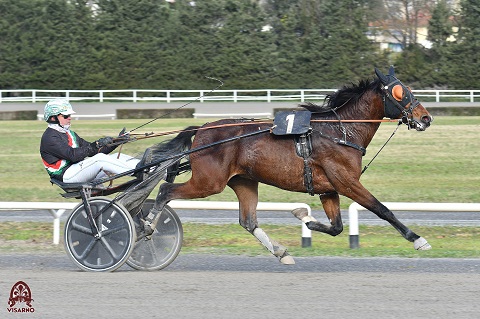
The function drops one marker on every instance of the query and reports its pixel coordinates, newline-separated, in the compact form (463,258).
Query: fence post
(353,225)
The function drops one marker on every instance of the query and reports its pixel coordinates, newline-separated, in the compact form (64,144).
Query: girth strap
(303,147)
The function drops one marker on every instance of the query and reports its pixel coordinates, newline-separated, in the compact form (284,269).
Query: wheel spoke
(108,248)
(82,229)
(88,249)
(112,230)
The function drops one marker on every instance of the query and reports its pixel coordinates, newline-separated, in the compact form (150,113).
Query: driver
(70,159)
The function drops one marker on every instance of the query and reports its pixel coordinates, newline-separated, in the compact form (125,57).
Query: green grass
(454,242)
(375,241)
(438,165)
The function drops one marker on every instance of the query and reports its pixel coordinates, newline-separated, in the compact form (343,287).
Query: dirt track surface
(212,286)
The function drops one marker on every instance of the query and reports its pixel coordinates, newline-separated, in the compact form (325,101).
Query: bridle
(399,100)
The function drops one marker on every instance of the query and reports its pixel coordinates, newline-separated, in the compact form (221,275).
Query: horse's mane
(345,95)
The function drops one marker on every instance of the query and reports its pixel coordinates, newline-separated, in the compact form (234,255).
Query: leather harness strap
(303,147)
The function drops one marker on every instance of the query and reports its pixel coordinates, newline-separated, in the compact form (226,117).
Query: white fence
(111,116)
(168,96)
(428,207)
(57,210)
(54,208)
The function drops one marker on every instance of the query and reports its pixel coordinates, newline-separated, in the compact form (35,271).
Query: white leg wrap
(421,244)
(264,239)
(307,219)
(302,214)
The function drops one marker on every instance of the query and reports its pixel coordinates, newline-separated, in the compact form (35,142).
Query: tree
(324,43)
(402,19)
(119,44)
(245,47)
(129,44)
(439,31)
(440,25)
(44,44)
(463,55)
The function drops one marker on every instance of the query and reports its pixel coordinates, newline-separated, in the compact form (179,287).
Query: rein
(178,108)
(381,148)
(357,121)
(140,136)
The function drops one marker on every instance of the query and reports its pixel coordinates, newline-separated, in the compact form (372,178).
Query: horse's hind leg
(331,204)
(202,184)
(247,193)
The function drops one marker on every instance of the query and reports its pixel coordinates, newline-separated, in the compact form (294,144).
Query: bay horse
(334,161)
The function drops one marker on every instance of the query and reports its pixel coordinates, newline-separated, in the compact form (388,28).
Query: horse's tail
(174,146)
(166,153)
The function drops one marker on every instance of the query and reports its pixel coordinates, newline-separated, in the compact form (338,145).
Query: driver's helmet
(57,106)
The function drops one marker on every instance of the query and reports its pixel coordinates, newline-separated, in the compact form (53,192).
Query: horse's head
(399,102)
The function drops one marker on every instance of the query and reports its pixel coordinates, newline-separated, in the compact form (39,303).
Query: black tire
(159,250)
(115,245)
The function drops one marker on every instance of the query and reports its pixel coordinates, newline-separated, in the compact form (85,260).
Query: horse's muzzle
(423,123)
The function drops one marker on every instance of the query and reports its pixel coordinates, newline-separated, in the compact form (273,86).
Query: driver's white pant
(94,168)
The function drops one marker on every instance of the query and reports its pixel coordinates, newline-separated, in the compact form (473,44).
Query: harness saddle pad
(291,122)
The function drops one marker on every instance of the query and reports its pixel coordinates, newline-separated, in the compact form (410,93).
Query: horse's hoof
(286,259)
(147,229)
(421,244)
(302,214)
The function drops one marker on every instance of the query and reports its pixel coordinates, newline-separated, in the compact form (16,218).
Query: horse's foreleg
(247,193)
(362,196)
(331,204)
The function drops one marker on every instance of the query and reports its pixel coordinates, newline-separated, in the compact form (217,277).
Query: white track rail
(399,206)
(57,210)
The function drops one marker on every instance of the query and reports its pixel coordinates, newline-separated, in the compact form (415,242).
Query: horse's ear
(397,92)
(391,71)
(381,76)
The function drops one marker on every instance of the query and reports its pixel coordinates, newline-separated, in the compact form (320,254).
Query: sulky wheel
(114,245)
(160,249)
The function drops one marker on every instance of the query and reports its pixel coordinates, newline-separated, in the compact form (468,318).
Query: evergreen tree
(464,53)
(125,44)
(440,25)
(324,43)
(44,44)
(351,55)
(439,31)
(129,44)
(413,66)
(244,47)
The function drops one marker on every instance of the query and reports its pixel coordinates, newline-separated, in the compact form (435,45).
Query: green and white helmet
(57,106)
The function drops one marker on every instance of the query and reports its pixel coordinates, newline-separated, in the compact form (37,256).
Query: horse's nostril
(426,119)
